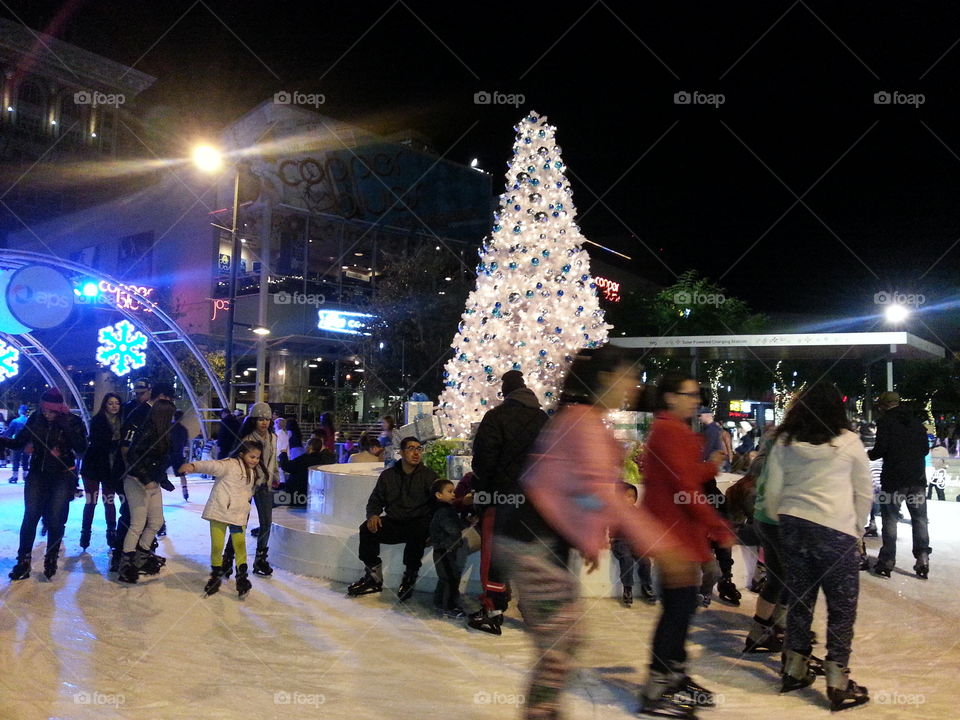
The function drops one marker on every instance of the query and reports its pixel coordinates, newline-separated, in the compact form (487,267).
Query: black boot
(922,566)
(148,563)
(627,597)
(162,532)
(50,565)
(243,582)
(260,564)
(486,621)
(213,583)
(228,556)
(405,591)
(371,582)
(84,539)
(843,692)
(728,592)
(111,538)
(21,571)
(115,558)
(128,572)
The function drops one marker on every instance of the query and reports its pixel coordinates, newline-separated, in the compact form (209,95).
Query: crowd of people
(545,494)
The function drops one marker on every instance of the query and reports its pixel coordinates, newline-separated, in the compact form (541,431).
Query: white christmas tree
(535,304)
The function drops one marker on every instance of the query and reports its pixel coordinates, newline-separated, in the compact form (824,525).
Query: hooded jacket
(902,445)
(504,438)
(56,445)
(827,484)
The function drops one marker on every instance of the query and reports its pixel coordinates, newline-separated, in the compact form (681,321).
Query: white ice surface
(159,650)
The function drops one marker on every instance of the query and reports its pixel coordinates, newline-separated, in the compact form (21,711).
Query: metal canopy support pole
(893,350)
(266,235)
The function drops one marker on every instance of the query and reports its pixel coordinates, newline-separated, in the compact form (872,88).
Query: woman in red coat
(673,480)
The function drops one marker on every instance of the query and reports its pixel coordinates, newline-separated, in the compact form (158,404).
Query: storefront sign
(610,288)
(219,305)
(341,321)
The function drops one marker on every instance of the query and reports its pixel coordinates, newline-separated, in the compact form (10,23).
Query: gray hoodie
(827,484)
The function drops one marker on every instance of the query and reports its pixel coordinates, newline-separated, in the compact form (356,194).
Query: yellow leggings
(218,535)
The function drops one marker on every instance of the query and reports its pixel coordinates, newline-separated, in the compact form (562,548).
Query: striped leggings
(551,608)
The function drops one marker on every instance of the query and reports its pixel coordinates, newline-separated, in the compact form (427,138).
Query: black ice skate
(843,692)
(49,566)
(647,595)
(371,582)
(728,592)
(486,621)
(661,697)
(21,571)
(243,582)
(128,572)
(260,565)
(405,591)
(213,583)
(84,539)
(627,597)
(797,672)
(922,566)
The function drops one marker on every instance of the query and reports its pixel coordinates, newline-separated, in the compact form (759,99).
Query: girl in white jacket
(228,507)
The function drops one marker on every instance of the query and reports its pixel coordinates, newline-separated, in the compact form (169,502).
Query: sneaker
(627,597)
(486,622)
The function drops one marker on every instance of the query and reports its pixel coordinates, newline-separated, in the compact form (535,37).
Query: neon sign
(120,296)
(341,321)
(610,288)
(218,305)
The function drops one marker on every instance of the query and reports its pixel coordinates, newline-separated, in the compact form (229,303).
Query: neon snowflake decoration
(122,347)
(9,361)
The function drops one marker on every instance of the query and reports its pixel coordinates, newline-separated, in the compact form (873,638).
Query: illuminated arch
(159,328)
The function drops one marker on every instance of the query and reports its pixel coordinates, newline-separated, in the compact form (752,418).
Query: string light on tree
(535,303)
(9,361)
(122,347)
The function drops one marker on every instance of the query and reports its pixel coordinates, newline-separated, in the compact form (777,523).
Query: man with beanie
(902,445)
(18,458)
(504,437)
(58,438)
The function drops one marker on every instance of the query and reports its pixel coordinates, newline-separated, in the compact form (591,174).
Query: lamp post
(894,314)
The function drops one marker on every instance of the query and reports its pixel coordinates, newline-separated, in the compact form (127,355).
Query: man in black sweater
(500,448)
(402,494)
(902,444)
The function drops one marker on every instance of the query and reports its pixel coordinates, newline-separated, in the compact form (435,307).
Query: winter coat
(233,486)
(228,434)
(149,455)
(902,445)
(15,426)
(828,484)
(403,497)
(101,462)
(268,458)
(56,445)
(673,478)
(446,528)
(572,489)
(504,438)
(179,437)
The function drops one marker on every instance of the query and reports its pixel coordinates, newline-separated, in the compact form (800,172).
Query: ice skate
(243,582)
(922,566)
(797,672)
(728,592)
(843,692)
(405,591)
(486,621)
(128,573)
(647,595)
(627,597)
(371,582)
(661,697)
(84,539)
(21,571)
(213,583)
(50,566)
(260,564)
(762,638)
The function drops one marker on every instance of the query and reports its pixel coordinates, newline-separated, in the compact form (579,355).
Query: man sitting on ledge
(403,494)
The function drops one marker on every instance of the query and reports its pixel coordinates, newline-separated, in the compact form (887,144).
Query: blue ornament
(543,353)
(531,168)
(556,214)
(534,181)
(558,330)
(558,164)
(559,293)
(548,393)
(539,286)
(463,357)
(512,266)
(516,229)
(540,319)
(542,133)
(547,166)
(546,253)
(483,401)
(534,261)
(498,304)
(527,141)
(516,207)
(516,366)
(565,268)
(487,369)
(497,227)
(559,184)
(493,265)
(529,293)
(579,308)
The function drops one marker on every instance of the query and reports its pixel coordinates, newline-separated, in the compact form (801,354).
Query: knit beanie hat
(261,410)
(511,380)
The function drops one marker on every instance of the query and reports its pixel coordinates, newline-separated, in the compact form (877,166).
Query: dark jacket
(902,444)
(403,497)
(101,461)
(446,528)
(228,435)
(149,455)
(179,437)
(504,438)
(298,472)
(56,445)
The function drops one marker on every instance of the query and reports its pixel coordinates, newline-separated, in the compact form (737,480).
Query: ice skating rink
(84,646)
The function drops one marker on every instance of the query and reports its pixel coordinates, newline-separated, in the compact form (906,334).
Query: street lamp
(209,159)
(895,314)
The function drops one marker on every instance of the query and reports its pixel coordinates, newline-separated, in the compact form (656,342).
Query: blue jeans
(630,565)
(890,501)
(263,499)
(18,459)
(45,496)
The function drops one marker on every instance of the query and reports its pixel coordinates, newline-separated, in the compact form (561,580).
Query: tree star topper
(122,347)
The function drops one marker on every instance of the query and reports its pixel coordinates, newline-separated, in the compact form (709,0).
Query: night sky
(714,188)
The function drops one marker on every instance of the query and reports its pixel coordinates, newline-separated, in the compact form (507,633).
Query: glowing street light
(896,313)
(207,158)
